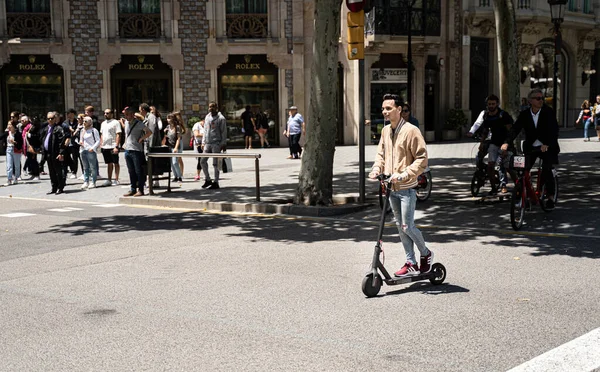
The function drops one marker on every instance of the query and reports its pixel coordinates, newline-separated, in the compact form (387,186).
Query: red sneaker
(426,262)
(408,270)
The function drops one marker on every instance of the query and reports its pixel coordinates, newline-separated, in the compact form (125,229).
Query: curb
(350,206)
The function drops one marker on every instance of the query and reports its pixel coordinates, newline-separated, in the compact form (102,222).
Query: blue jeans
(134,160)
(13,164)
(588,124)
(403,205)
(175,164)
(90,166)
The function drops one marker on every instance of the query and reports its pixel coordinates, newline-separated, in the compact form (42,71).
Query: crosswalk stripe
(106,205)
(581,354)
(66,209)
(15,215)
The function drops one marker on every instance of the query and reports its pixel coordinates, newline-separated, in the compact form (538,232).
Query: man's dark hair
(72,111)
(145,107)
(130,110)
(407,105)
(395,97)
(492,97)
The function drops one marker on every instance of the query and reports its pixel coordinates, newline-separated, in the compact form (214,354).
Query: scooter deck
(409,279)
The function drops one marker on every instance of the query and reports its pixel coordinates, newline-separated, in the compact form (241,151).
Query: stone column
(84,30)
(194,78)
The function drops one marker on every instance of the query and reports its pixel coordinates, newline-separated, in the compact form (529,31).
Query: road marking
(581,354)
(15,215)
(64,210)
(106,205)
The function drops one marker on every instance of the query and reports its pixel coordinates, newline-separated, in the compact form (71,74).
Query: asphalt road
(94,287)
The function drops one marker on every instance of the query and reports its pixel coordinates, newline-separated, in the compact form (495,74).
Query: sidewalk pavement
(278,178)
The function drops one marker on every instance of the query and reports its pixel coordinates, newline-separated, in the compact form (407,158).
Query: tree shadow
(453,214)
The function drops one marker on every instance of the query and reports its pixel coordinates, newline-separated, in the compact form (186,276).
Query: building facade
(179,54)
(174,54)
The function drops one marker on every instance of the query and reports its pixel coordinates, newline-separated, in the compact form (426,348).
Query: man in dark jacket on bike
(541,139)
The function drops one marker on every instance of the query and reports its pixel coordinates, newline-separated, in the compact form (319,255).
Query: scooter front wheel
(440,274)
(370,285)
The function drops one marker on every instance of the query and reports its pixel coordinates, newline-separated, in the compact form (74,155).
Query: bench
(256,158)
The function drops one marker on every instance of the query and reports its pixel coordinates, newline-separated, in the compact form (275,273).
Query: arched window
(247,19)
(28,19)
(28,6)
(139,19)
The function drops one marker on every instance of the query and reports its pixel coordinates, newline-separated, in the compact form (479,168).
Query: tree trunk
(315,186)
(508,51)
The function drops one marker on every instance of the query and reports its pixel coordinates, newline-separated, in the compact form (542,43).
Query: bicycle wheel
(424,187)
(544,197)
(518,197)
(477,183)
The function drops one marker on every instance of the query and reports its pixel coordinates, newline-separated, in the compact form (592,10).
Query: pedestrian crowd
(66,143)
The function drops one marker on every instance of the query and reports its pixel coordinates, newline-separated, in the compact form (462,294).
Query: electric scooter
(374,279)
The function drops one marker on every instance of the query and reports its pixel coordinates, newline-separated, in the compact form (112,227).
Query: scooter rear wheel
(370,289)
(440,274)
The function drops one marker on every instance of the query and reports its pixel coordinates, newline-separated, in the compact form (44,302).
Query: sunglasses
(405,110)
(52,118)
(537,98)
(107,113)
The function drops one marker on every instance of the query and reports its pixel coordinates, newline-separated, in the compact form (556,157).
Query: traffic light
(356,35)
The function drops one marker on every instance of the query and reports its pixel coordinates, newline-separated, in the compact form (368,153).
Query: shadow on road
(453,214)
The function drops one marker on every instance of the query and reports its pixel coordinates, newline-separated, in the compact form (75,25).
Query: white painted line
(64,210)
(581,354)
(106,205)
(15,215)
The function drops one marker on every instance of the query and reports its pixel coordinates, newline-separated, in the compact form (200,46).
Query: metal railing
(521,4)
(151,155)
(29,25)
(139,26)
(389,20)
(247,26)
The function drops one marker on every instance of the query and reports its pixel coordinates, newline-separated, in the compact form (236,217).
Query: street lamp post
(409,5)
(557,14)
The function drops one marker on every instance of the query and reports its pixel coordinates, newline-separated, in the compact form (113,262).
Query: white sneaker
(115,183)
(19,179)
(84,186)
(80,177)
(72,176)
(92,185)
(36,178)
(16,181)
(107,183)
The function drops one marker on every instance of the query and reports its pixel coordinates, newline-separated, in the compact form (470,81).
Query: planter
(429,135)
(449,135)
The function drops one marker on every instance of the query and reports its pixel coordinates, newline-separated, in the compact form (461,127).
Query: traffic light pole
(361,130)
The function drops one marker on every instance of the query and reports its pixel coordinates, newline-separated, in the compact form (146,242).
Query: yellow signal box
(356,35)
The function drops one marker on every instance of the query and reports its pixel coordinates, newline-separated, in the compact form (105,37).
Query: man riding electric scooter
(403,154)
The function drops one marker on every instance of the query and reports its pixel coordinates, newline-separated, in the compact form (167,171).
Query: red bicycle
(524,195)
